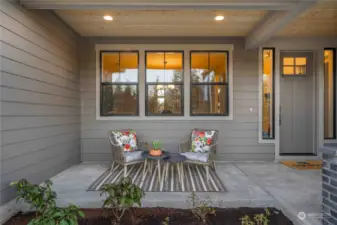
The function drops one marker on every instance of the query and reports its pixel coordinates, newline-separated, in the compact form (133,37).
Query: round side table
(148,165)
(176,160)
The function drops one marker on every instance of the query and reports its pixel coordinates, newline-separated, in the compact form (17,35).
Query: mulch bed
(155,216)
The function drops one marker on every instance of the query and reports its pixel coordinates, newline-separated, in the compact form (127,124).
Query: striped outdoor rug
(194,179)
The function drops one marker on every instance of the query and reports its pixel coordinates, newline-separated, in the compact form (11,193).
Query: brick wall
(329,190)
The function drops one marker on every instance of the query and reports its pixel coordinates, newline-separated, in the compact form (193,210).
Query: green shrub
(121,197)
(201,208)
(259,219)
(43,199)
(166,221)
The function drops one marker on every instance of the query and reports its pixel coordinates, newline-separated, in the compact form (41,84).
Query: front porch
(248,184)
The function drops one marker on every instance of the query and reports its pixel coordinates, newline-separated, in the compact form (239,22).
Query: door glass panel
(300,70)
(289,61)
(288,70)
(294,65)
(300,61)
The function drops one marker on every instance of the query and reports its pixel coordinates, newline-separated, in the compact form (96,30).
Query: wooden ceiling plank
(152,4)
(273,22)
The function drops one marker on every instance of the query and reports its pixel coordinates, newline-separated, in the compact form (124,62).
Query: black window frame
(273,93)
(102,52)
(182,83)
(334,77)
(211,83)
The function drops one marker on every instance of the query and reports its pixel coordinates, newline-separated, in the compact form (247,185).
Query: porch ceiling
(162,22)
(257,20)
(320,20)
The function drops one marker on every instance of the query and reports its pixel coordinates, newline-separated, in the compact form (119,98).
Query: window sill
(165,118)
(267,141)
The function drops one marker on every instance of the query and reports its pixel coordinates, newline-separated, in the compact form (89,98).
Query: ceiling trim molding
(152,4)
(273,22)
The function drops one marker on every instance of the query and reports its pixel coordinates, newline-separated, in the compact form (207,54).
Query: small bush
(259,219)
(201,208)
(43,199)
(120,198)
(166,221)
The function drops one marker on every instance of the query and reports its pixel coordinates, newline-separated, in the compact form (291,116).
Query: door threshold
(297,157)
(297,154)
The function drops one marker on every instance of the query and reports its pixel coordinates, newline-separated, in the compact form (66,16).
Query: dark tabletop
(176,158)
(146,155)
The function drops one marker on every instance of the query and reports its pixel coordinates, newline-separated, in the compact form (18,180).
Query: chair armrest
(185,146)
(212,151)
(117,150)
(112,140)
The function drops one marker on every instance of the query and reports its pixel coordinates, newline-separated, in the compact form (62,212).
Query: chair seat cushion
(196,156)
(133,156)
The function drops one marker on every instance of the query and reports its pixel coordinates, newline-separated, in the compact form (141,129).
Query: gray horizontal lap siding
(238,139)
(40,96)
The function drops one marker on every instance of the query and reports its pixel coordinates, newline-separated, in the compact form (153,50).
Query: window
(209,83)
(119,83)
(329,93)
(294,66)
(268,65)
(164,83)
(140,82)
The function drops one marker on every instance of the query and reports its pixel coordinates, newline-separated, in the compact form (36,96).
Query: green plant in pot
(156,148)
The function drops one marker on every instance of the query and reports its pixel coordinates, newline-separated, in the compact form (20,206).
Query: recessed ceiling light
(218,18)
(107,17)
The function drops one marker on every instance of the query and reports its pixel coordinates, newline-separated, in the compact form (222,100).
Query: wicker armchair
(186,146)
(125,159)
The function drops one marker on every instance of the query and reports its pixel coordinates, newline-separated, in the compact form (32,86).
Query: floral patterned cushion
(126,139)
(202,140)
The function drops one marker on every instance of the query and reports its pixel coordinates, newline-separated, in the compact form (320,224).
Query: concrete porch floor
(249,184)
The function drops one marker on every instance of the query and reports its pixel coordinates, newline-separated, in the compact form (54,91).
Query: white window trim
(187,48)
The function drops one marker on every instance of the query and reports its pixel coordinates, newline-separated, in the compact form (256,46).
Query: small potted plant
(156,148)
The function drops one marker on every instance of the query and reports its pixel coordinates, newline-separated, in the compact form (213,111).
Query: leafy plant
(60,216)
(156,145)
(166,221)
(259,219)
(201,208)
(120,198)
(43,199)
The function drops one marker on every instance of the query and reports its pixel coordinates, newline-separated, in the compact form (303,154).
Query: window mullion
(142,83)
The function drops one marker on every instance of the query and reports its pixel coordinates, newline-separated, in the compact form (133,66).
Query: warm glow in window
(164,83)
(294,66)
(209,94)
(268,92)
(329,94)
(119,83)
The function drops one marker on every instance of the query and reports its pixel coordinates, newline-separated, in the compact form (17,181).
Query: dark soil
(156,216)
